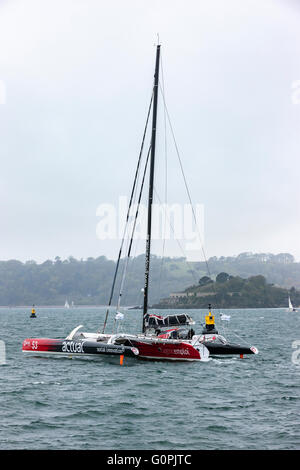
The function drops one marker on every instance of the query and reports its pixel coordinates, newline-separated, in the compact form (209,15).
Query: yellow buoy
(33,315)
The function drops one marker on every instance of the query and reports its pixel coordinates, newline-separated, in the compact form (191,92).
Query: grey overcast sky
(75,82)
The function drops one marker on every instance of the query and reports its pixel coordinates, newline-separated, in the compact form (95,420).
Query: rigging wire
(166,179)
(133,230)
(139,202)
(181,248)
(166,118)
(185,181)
(186,185)
(133,261)
(127,216)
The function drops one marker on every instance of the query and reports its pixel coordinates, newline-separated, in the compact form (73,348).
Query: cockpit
(176,333)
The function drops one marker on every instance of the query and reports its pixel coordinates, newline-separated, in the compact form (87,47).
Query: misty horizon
(75,84)
(70,257)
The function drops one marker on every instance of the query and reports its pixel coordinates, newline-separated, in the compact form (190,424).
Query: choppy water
(227,403)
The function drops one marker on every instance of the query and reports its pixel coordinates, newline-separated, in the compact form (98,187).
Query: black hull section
(226,349)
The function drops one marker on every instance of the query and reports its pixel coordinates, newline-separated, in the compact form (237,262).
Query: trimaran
(162,338)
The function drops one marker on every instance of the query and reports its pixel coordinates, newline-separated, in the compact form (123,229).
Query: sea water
(225,403)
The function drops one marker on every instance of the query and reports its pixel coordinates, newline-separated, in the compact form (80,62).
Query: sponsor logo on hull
(72,347)
(166,351)
(111,349)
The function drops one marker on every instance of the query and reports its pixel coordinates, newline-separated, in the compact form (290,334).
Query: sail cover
(154,321)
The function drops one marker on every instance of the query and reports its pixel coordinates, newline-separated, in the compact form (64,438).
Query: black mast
(151,179)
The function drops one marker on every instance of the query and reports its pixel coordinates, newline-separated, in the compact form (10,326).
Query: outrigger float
(217,344)
(75,345)
(209,337)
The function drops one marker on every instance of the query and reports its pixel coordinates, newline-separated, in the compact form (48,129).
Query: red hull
(142,349)
(167,351)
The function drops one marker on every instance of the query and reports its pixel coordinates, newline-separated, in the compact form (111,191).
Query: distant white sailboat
(291,307)
(67,304)
(224,317)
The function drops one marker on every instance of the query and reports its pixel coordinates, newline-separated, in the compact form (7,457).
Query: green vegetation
(232,292)
(88,282)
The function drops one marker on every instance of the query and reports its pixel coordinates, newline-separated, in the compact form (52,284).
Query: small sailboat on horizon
(224,317)
(291,307)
